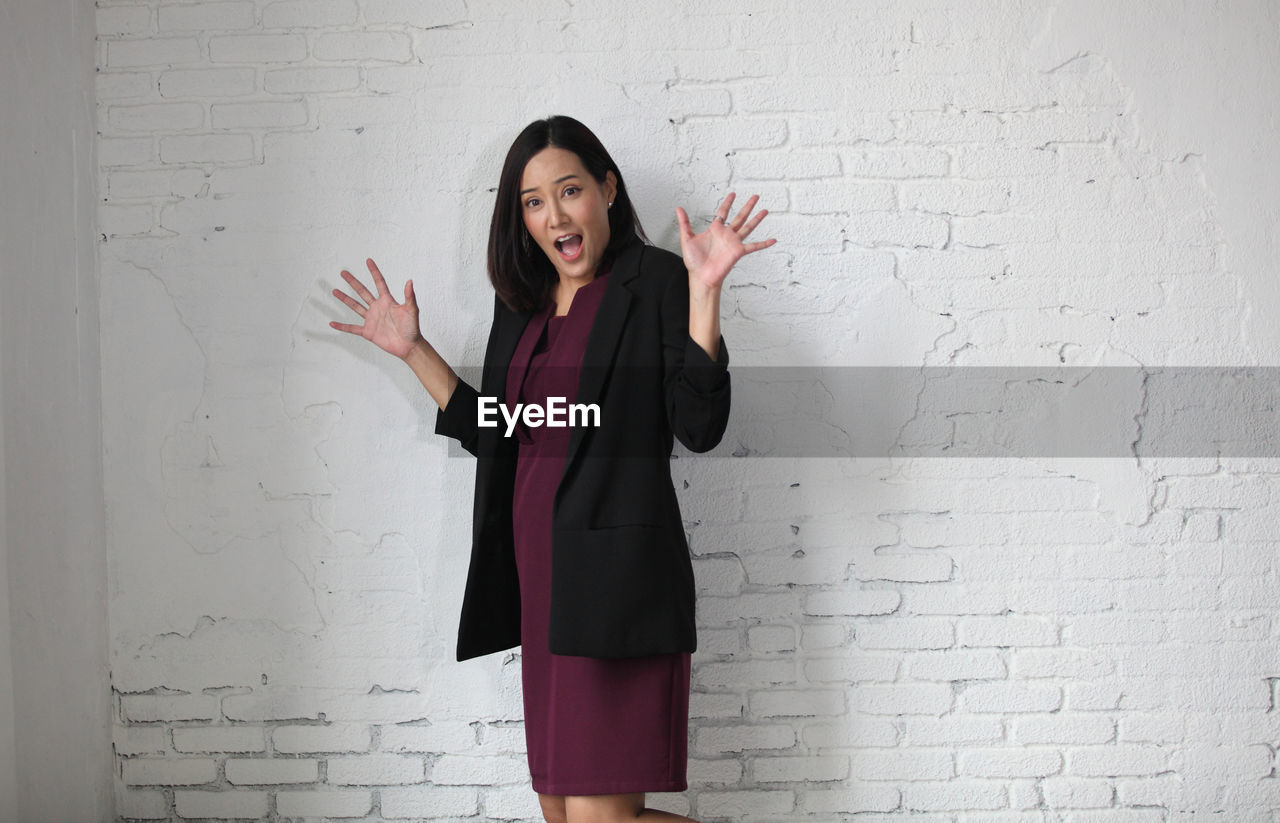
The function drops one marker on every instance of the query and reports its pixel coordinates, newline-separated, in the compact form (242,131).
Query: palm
(711,254)
(391,326)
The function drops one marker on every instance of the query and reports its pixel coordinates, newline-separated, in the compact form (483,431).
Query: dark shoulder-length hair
(520,272)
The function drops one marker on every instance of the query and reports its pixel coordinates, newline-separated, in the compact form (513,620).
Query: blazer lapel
(606,330)
(504,345)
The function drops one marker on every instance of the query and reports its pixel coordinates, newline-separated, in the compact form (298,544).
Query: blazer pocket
(624,591)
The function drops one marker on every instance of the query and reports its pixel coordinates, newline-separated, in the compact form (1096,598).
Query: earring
(610,204)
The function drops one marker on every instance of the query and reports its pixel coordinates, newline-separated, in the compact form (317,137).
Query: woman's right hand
(391,326)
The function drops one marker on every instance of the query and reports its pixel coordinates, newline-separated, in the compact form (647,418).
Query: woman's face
(567,211)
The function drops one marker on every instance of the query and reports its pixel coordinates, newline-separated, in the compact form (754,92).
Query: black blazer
(622,581)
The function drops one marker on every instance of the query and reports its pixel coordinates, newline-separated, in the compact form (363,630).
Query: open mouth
(569,246)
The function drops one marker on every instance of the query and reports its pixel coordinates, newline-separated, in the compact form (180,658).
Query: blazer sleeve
(697,387)
(458,418)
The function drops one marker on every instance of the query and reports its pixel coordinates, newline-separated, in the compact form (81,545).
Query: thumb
(408,294)
(683,219)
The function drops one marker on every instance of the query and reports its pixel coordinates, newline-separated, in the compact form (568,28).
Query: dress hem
(632,786)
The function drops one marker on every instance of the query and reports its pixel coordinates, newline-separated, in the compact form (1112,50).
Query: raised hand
(391,326)
(710,255)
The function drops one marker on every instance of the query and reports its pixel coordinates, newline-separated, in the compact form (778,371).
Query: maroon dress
(592,726)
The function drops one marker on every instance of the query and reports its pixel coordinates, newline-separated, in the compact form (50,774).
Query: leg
(553,808)
(611,808)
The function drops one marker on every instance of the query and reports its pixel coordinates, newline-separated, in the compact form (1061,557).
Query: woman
(579,553)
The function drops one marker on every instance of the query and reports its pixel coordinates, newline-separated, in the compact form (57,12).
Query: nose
(555,213)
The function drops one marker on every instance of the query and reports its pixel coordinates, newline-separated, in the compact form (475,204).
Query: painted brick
(452,770)
(158,51)
(1064,730)
(258,115)
(1006,631)
(1009,762)
(135,740)
(257,48)
(745,802)
(123,85)
(799,769)
(714,772)
(919,698)
(125,151)
(229,82)
(952,730)
(123,221)
(865,798)
(718,575)
(311,79)
(907,633)
(936,795)
(746,673)
(1114,761)
(322,803)
(1019,697)
(437,801)
(261,771)
(221,804)
(739,738)
(207,148)
(451,737)
(169,772)
(162,184)
(291,14)
(144,707)
(715,705)
(866,601)
(1077,793)
(956,665)
(309,739)
(122,20)
(376,769)
(220,739)
(137,804)
(518,803)
(206,16)
(807,703)
(914,764)
(816,636)
(154,117)
(418,15)
(364,45)
(771,638)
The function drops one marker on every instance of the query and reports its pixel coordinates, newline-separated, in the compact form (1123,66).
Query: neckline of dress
(603,275)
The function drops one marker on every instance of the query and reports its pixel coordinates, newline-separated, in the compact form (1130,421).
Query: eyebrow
(561,180)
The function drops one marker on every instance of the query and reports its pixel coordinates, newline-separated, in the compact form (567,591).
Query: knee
(553,809)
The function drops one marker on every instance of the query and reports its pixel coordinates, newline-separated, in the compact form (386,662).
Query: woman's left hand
(710,255)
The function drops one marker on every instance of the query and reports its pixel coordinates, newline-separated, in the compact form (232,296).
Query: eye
(532,203)
(569,191)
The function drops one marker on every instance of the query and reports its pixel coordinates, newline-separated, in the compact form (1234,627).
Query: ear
(610,186)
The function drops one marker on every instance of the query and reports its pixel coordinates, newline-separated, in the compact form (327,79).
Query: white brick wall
(944,640)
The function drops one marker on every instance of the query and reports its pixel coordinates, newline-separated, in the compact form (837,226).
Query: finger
(752,223)
(686,231)
(763,244)
(347,327)
(409,299)
(377,278)
(364,293)
(743,214)
(723,211)
(356,307)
